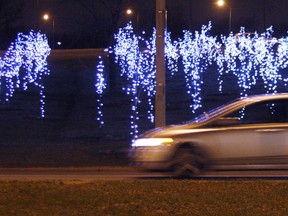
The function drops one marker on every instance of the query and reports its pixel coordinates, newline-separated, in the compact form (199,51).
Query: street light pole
(46,17)
(222,3)
(53,30)
(131,12)
(264,18)
(230,18)
(160,100)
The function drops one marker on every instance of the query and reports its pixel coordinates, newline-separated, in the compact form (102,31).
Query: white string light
(252,58)
(25,63)
(249,57)
(100,86)
(197,52)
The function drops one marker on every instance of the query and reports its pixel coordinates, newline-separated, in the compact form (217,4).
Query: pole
(160,100)
(53,32)
(264,18)
(230,18)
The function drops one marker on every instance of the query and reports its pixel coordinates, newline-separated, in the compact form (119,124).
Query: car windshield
(218,111)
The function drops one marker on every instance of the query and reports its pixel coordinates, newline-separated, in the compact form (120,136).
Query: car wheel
(186,164)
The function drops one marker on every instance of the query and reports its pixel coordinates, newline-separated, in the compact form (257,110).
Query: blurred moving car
(248,133)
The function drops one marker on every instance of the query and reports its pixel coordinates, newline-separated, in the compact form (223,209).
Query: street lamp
(130,12)
(222,3)
(46,17)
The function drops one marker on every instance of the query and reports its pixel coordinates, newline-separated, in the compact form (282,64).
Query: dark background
(91,23)
(69,135)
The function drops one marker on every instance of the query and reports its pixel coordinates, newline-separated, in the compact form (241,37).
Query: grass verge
(145,197)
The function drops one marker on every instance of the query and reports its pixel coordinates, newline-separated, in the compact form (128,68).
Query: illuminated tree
(136,68)
(197,52)
(136,58)
(251,58)
(25,63)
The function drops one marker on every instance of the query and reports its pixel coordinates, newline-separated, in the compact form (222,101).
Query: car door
(257,136)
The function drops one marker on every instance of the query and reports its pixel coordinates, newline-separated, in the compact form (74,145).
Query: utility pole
(160,100)
(264,18)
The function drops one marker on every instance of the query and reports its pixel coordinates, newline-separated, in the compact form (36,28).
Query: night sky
(95,29)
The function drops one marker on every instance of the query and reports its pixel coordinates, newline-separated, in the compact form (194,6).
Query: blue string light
(249,57)
(252,58)
(197,53)
(25,63)
(138,66)
(100,86)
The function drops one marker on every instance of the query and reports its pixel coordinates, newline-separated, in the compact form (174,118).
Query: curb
(73,169)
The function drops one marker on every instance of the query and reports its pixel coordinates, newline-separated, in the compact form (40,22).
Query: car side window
(263,112)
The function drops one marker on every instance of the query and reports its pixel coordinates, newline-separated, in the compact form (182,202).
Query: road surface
(122,173)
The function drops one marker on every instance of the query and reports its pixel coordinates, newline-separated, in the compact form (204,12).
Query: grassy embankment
(151,197)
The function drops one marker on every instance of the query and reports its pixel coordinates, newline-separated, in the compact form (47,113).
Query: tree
(105,16)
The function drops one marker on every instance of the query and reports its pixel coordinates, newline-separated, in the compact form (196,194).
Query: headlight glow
(151,142)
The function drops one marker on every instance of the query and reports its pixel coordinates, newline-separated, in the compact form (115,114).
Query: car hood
(171,130)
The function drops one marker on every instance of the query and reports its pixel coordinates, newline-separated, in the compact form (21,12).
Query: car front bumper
(151,157)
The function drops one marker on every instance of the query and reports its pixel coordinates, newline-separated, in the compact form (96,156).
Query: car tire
(186,164)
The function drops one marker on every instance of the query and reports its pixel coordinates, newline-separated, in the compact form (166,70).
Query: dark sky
(194,10)
(182,14)
(248,13)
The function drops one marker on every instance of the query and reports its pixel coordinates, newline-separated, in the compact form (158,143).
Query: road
(122,173)
(93,173)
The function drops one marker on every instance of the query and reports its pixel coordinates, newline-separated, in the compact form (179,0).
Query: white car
(248,133)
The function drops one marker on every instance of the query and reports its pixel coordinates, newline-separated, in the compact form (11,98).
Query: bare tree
(105,18)
(106,15)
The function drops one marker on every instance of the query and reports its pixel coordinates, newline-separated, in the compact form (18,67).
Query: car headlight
(151,142)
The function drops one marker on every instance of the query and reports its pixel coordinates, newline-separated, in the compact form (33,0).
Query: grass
(145,197)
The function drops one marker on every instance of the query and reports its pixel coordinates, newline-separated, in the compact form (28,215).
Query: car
(245,134)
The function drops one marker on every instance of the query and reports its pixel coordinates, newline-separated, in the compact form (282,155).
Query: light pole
(264,18)
(131,12)
(160,100)
(222,3)
(46,17)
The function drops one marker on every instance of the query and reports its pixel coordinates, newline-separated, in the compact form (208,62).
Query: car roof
(264,97)
(233,105)
(195,123)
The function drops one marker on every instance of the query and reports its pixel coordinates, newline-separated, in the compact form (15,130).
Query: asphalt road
(93,173)
(124,173)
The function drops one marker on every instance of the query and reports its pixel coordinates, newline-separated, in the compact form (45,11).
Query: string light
(100,86)
(138,66)
(25,63)
(197,52)
(251,58)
